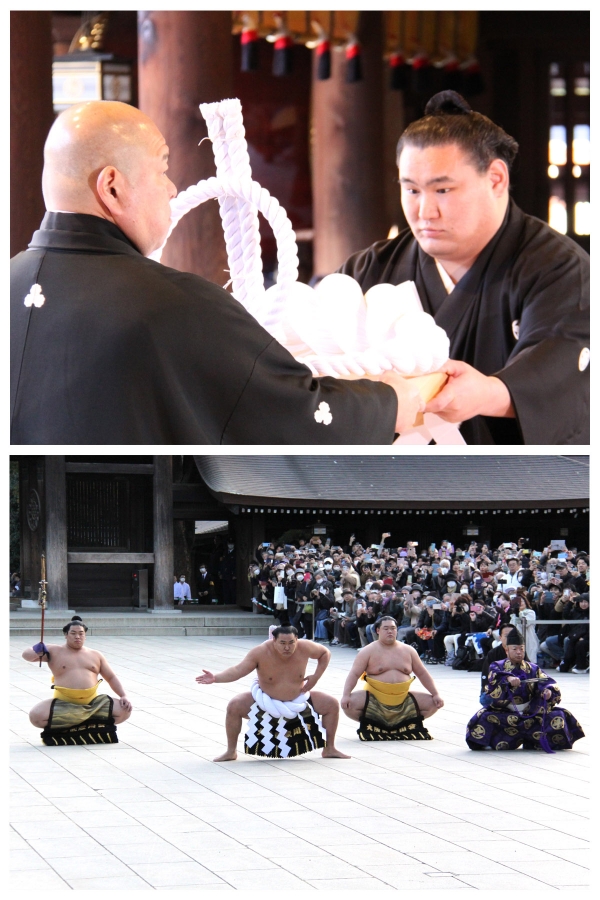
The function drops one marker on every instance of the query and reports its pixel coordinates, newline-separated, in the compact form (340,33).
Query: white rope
(251,193)
(240,219)
(349,336)
(278,709)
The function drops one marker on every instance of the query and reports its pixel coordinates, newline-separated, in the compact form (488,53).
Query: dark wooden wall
(31,116)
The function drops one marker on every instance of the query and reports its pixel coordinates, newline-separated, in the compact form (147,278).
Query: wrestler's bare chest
(78,669)
(391,664)
(278,675)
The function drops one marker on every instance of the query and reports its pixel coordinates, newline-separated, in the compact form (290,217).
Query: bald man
(110,347)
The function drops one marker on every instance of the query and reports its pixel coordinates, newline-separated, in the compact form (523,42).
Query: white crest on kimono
(323,414)
(515,329)
(584,359)
(35,296)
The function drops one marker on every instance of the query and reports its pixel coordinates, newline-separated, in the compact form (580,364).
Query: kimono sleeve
(283,404)
(547,374)
(497,685)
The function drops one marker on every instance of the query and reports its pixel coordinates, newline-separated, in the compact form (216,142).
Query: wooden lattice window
(97,512)
(569,148)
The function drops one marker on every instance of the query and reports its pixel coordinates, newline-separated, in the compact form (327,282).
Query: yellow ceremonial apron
(76,695)
(388,694)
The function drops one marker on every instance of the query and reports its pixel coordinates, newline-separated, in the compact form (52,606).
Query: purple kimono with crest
(522,715)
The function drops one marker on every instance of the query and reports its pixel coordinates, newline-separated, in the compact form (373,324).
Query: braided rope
(240,199)
(253,194)
(240,220)
(278,709)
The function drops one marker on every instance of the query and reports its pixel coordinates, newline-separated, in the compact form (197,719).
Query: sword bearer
(77,714)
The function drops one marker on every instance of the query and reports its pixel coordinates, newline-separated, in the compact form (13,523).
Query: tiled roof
(431,480)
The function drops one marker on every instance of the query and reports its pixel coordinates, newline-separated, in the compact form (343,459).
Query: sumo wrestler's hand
(410,402)
(345,701)
(309,683)
(469,393)
(207,678)
(437,701)
(125,704)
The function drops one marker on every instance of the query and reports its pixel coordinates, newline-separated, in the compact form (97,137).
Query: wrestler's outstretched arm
(38,651)
(322,655)
(425,678)
(247,665)
(109,676)
(358,667)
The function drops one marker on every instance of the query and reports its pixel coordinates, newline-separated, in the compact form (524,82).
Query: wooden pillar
(185,58)
(242,530)
(31,116)
(56,533)
(347,152)
(163,533)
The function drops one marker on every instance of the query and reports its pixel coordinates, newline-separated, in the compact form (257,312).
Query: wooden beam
(163,532)
(31,116)
(185,58)
(56,533)
(347,153)
(76,557)
(111,468)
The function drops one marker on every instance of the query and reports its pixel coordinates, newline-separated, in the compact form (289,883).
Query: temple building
(116,530)
(325,97)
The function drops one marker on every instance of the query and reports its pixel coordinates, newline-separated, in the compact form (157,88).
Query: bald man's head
(108,159)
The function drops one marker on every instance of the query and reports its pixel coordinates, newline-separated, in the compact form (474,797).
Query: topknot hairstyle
(76,620)
(449,119)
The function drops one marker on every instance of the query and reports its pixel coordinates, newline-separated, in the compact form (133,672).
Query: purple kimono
(522,715)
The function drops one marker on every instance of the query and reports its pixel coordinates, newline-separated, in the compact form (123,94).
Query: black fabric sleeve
(283,404)
(545,364)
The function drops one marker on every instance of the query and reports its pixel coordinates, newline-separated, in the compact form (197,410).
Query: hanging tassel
(282,52)
(472,78)
(399,72)
(353,61)
(422,72)
(451,74)
(249,41)
(323,51)
(322,45)
(282,55)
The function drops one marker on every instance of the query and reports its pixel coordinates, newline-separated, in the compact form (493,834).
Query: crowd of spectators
(449,603)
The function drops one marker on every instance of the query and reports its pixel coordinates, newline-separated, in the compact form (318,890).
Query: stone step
(208,621)
(159,630)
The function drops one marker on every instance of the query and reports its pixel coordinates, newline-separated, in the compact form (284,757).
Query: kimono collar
(79,231)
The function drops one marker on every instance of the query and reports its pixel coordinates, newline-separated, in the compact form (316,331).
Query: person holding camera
(479,632)
(428,633)
(455,622)
(571,646)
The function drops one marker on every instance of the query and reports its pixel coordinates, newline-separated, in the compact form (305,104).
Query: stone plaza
(155,813)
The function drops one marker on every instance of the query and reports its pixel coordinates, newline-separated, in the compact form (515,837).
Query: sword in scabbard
(43,599)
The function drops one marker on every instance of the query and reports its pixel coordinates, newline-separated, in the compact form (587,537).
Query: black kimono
(127,351)
(520,313)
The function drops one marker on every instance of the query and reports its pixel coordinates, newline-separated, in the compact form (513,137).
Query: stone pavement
(155,813)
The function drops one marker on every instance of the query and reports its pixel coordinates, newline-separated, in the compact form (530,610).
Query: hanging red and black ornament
(451,74)
(322,47)
(353,60)
(422,70)
(399,71)
(449,63)
(282,51)
(421,73)
(472,79)
(323,51)
(249,46)
(399,67)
